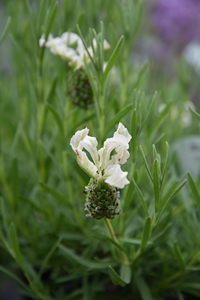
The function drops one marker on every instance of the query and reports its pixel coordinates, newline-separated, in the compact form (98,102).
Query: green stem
(102,110)
(71,195)
(122,255)
(110,229)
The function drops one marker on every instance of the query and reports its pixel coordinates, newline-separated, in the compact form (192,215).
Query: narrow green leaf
(160,118)
(12,275)
(155,154)
(15,246)
(156,238)
(51,91)
(159,138)
(84,43)
(179,257)
(34,205)
(192,285)
(194,189)
(194,113)
(6,218)
(139,11)
(50,19)
(139,75)
(53,192)
(167,201)
(117,118)
(172,185)
(143,288)
(102,37)
(92,36)
(113,58)
(82,261)
(16,138)
(56,117)
(116,279)
(5,29)
(146,233)
(156,184)
(141,198)
(125,273)
(41,16)
(128,195)
(73,237)
(114,243)
(14,180)
(82,121)
(146,164)
(148,113)
(48,256)
(53,158)
(133,132)
(166,162)
(134,241)
(180,295)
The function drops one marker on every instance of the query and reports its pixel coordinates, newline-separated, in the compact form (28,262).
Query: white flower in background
(106,162)
(180,113)
(187,115)
(192,55)
(70,47)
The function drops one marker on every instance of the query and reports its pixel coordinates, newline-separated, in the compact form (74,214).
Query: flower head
(106,162)
(70,47)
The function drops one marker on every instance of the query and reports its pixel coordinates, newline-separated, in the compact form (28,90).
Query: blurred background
(168,39)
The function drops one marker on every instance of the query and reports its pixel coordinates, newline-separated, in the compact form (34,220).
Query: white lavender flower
(70,47)
(103,166)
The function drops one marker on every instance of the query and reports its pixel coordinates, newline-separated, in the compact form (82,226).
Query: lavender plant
(82,219)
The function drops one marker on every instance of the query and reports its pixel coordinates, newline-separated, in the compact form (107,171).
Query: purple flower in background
(177,21)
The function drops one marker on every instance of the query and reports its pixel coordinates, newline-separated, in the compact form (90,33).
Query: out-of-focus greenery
(47,244)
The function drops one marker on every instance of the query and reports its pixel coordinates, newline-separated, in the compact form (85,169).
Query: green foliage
(48,246)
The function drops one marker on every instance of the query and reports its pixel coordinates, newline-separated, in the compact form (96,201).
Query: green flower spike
(102,200)
(79,89)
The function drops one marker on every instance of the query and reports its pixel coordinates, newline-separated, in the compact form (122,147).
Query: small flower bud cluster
(79,89)
(102,200)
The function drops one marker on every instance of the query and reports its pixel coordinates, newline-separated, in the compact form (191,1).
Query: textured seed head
(102,200)
(79,90)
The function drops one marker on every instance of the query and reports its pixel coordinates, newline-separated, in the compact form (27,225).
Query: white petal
(70,38)
(122,131)
(86,164)
(84,53)
(76,62)
(79,141)
(57,47)
(90,144)
(106,45)
(120,143)
(115,176)
(78,137)
(42,41)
